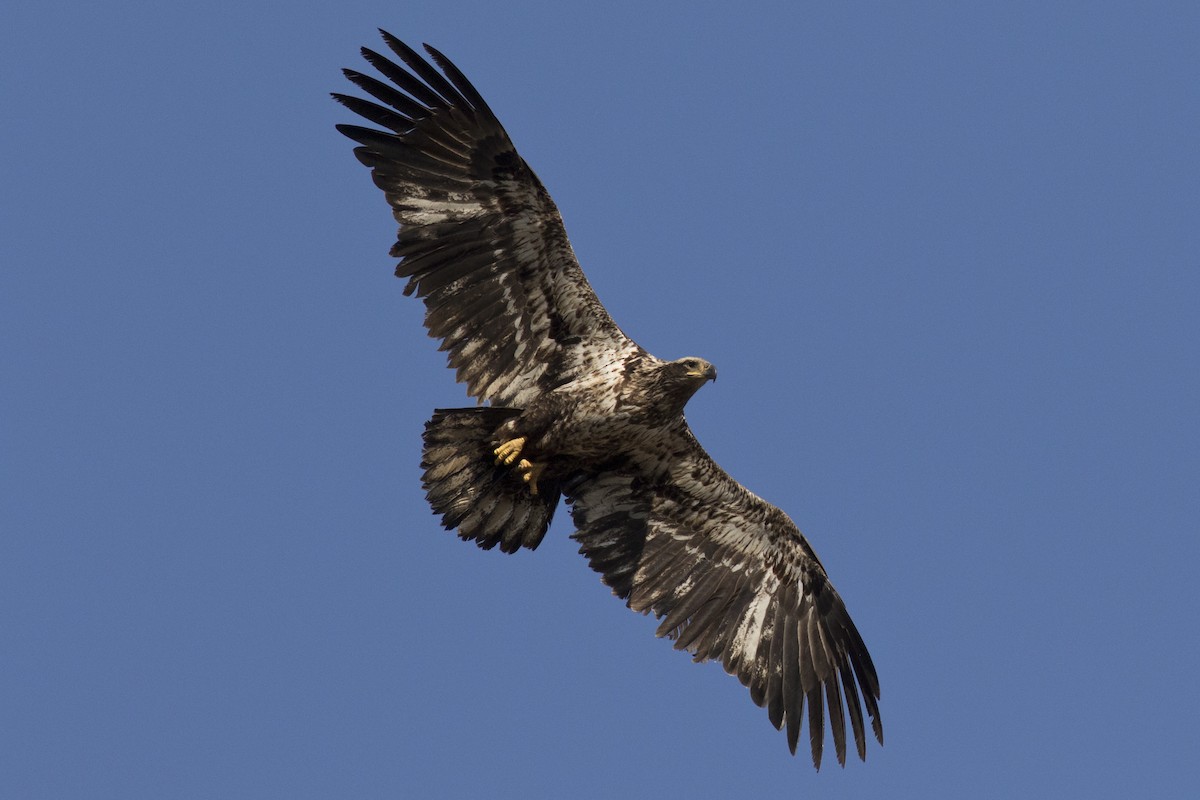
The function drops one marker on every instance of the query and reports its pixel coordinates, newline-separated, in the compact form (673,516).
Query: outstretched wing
(734,581)
(480,239)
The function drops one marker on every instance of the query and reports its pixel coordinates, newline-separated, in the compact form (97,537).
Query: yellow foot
(508,451)
(530,473)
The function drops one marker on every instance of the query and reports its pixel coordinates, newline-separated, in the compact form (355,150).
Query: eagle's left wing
(479,238)
(734,581)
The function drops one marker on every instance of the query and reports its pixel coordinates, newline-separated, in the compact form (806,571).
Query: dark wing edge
(480,239)
(733,581)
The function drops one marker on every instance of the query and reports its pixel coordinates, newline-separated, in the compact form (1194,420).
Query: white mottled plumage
(593,417)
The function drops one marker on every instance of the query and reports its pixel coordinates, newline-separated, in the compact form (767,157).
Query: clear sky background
(945,256)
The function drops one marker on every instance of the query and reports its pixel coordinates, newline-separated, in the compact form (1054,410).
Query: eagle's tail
(483,502)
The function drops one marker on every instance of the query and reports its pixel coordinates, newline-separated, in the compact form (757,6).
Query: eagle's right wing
(733,581)
(480,239)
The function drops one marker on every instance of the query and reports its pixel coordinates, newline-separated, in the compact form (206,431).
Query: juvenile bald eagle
(571,407)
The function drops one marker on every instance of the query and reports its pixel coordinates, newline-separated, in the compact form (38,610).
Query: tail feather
(485,503)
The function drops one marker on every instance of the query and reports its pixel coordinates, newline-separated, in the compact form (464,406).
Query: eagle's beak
(708,373)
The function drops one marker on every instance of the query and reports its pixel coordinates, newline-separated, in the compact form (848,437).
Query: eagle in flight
(571,407)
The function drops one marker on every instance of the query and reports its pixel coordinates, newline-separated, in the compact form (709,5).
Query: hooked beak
(707,373)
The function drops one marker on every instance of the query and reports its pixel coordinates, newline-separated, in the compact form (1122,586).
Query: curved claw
(508,451)
(530,473)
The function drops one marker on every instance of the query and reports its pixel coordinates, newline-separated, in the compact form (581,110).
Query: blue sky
(945,257)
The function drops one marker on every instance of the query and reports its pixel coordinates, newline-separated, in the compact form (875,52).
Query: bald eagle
(570,407)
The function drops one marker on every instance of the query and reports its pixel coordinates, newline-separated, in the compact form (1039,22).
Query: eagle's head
(686,375)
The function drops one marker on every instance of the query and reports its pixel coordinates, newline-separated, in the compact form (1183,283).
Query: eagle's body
(571,407)
(631,410)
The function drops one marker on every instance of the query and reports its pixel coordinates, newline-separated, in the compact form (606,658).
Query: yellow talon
(508,451)
(530,473)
